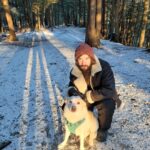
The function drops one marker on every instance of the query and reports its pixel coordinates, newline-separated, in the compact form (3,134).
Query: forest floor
(33,81)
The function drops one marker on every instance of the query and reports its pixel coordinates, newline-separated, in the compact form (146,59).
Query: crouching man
(93,78)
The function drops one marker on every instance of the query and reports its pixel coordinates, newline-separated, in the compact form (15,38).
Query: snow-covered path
(33,83)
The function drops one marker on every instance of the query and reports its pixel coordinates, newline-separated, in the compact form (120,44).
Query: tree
(0,22)
(12,36)
(94,23)
(114,29)
(103,28)
(124,21)
(145,21)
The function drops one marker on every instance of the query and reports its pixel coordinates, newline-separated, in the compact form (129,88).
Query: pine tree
(94,23)
(144,23)
(12,35)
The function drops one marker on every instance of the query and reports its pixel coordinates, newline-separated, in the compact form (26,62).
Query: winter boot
(102,136)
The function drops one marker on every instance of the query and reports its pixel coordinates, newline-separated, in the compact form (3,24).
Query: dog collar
(73,126)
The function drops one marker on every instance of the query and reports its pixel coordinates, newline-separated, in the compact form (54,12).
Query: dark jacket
(102,81)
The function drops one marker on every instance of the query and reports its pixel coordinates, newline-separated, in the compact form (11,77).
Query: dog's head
(75,103)
(75,106)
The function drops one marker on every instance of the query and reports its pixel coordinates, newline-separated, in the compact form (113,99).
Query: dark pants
(105,110)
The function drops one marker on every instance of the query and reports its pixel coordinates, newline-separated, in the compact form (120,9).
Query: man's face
(84,62)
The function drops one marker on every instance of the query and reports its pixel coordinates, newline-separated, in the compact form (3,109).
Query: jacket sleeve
(107,87)
(72,91)
(71,80)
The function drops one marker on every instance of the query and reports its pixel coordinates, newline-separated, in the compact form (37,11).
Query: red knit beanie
(82,49)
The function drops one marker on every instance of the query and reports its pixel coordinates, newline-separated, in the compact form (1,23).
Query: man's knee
(105,113)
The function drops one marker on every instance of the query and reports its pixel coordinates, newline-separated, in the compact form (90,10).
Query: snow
(33,83)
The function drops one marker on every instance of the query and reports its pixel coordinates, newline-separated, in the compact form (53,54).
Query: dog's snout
(73,108)
(70,102)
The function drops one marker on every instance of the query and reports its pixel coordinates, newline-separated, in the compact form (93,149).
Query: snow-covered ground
(33,82)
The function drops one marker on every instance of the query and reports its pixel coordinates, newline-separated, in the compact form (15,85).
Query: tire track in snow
(37,124)
(24,113)
(40,132)
(53,94)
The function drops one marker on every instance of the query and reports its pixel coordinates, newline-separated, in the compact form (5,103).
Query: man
(93,79)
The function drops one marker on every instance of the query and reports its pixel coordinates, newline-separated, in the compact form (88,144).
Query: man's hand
(73,92)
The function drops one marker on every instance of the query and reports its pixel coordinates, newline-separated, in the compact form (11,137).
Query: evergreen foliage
(122,21)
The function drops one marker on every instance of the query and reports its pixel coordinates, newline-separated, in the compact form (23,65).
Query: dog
(79,121)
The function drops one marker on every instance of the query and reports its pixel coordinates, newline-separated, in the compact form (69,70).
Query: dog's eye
(78,103)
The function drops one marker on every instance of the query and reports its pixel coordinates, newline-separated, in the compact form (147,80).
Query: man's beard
(85,68)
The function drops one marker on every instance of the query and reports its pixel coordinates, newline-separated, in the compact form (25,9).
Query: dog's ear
(63,105)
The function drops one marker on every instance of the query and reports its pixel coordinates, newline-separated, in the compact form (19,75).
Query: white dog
(79,121)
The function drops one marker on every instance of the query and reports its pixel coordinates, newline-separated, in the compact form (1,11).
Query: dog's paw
(91,143)
(92,148)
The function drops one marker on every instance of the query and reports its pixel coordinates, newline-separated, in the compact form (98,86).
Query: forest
(123,21)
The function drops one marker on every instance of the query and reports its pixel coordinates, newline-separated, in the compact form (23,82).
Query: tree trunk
(37,24)
(92,31)
(63,12)
(103,30)
(28,13)
(75,14)
(12,36)
(117,18)
(114,29)
(0,23)
(145,21)
(51,24)
(80,14)
(122,22)
(68,15)
(98,19)
(84,13)
(36,7)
